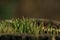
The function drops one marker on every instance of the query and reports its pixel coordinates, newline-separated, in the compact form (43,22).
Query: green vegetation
(26,26)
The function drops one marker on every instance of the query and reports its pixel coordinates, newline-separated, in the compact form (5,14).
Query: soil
(13,37)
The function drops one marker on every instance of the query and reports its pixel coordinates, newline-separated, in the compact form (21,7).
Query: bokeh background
(49,9)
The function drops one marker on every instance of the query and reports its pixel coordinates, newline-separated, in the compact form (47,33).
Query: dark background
(49,9)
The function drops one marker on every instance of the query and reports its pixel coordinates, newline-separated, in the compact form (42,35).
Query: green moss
(26,26)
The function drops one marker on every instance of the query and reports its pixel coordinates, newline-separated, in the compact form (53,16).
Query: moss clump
(27,26)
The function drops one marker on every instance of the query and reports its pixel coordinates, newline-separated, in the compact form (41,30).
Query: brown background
(49,9)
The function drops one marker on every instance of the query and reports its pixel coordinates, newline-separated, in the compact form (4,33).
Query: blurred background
(49,9)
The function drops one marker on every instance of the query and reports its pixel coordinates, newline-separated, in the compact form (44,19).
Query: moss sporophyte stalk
(27,26)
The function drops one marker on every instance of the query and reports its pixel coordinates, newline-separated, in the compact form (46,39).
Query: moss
(26,26)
